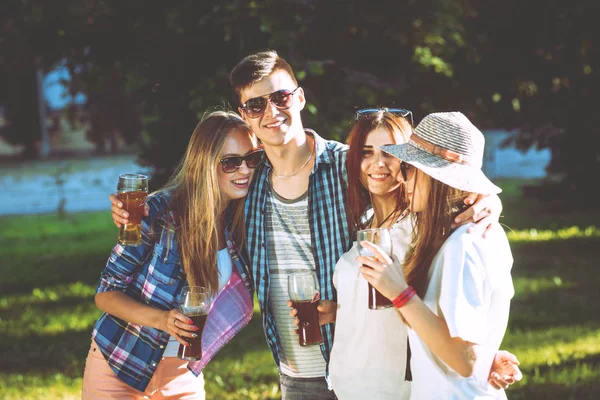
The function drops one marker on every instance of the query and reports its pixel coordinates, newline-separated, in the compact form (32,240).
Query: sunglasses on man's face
(231,164)
(407,171)
(367,112)
(282,99)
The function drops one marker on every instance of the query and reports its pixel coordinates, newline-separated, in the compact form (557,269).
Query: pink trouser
(172,380)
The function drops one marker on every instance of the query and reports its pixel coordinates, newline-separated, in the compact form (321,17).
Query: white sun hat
(449,148)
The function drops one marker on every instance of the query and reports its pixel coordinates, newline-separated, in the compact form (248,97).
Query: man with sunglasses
(295,216)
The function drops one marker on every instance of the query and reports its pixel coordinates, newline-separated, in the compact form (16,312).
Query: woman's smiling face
(379,169)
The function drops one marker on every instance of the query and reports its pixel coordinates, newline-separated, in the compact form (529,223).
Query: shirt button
(154,364)
(162,347)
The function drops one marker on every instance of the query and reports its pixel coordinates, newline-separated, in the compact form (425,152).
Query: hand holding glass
(380,237)
(195,303)
(303,290)
(132,191)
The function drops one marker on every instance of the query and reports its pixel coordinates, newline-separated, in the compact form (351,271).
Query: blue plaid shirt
(151,273)
(328,227)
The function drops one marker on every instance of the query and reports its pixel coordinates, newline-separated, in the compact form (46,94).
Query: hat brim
(460,176)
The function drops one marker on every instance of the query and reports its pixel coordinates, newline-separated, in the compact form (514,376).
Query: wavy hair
(431,229)
(197,196)
(358,199)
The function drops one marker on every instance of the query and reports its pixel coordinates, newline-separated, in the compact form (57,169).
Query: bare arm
(388,278)
(485,211)
(124,307)
(460,355)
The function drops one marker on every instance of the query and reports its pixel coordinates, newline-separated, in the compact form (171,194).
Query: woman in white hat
(456,295)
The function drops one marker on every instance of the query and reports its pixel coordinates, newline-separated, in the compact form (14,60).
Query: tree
(21,54)
(536,70)
(530,66)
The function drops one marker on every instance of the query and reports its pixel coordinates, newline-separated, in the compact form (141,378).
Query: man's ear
(301,98)
(243,115)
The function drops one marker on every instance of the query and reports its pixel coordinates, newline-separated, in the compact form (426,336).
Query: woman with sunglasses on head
(376,366)
(457,291)
(193,235)
(368,358)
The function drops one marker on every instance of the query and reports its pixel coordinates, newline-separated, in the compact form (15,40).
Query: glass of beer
(195,303)
(132,191)
(303,290)
(380,237)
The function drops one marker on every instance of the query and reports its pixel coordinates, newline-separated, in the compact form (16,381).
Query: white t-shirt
(470,286)
(289,250)
(224,265)
(368,358)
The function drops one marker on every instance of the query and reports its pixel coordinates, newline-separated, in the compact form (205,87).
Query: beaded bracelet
(404,297)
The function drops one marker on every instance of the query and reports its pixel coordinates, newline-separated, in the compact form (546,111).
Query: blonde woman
(193,235)
(456,295)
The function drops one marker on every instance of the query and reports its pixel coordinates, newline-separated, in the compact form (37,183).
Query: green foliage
(50,269)
(165,63)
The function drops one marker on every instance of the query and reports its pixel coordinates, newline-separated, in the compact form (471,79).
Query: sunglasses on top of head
(367,112)
(282,99)
(231,164)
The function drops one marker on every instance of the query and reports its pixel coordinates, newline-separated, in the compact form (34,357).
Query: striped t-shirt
(289,250)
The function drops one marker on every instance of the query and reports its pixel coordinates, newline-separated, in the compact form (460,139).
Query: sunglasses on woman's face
(282,99)
(407,171)
(231,164)
(367,112)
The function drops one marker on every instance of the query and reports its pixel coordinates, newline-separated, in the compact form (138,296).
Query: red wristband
(404,297)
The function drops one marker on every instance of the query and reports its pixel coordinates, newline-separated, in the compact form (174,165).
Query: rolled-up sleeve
(462,295)
(125,262)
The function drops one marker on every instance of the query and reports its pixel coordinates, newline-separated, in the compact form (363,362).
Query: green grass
(50,267)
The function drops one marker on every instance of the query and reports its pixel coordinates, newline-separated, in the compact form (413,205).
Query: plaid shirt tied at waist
(151,273)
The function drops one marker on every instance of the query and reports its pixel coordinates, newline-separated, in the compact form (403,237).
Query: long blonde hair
(197,199)
(432,228)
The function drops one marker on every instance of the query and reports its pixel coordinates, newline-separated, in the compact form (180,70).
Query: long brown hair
(197,199)
(431,229)
(358,199)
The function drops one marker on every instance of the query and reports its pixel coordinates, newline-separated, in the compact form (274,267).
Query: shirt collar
(321,153)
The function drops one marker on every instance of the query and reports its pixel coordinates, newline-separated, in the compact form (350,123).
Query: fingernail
(125,215)
(120,204)
(196,328)
(189,321)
